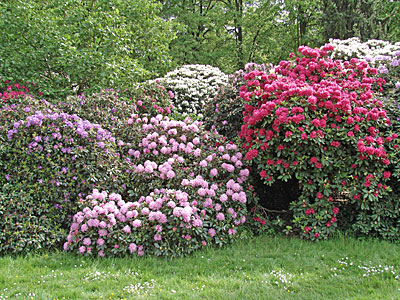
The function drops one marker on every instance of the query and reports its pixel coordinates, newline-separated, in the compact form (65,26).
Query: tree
(366,19)
(230,33)
(82,45)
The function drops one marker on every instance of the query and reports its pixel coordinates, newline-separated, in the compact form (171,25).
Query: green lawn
(257,268)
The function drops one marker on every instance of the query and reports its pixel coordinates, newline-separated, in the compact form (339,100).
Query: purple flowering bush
(185,190)
(56,158)
(112,108)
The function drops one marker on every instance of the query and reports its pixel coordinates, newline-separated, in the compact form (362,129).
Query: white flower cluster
(140,289)
(373,51)
(192,86)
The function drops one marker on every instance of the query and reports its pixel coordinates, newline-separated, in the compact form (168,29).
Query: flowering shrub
(386,58)
(316,120)
(185,191)
(224,112)
(56,158)
(191,86)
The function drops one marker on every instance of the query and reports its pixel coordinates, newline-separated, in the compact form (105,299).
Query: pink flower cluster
(108,225)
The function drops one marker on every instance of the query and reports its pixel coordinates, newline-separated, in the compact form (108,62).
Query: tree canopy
(82,44)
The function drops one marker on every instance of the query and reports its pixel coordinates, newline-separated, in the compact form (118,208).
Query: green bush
(80,46)
(26,224)
(224,111)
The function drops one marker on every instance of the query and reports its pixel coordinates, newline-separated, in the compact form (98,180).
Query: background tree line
(82,45)
(229,33)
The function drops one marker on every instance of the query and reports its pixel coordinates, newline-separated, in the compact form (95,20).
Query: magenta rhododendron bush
(186,189)
(317,120)
(10,93)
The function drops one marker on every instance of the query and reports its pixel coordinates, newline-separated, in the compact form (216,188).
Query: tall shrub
(317,120)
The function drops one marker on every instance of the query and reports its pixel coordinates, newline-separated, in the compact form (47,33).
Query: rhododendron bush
(11,92)
(191,87)
(58,156)
(317,120)
(186,189)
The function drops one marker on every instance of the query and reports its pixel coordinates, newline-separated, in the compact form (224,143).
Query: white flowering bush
(192,86)
(353,47)
(186,189)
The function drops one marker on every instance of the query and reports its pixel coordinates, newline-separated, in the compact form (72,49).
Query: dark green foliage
(26,224)
(367,19)
(224,112)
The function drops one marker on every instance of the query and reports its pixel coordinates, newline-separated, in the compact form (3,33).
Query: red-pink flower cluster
(317,119)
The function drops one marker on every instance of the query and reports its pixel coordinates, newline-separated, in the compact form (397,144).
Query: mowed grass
(262,267)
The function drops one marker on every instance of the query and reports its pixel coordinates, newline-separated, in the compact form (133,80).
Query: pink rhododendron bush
(317,120)
(186,189)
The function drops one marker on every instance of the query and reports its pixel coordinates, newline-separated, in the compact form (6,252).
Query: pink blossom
(102,232)
(132,247)
(87,241)
(223,198)
(202,192)
(170,174)
(213,172)
(65,246)
(220,217)
(127,229)
(212,232)
(84,228)
(203,163)
(136,223)
(197,152)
